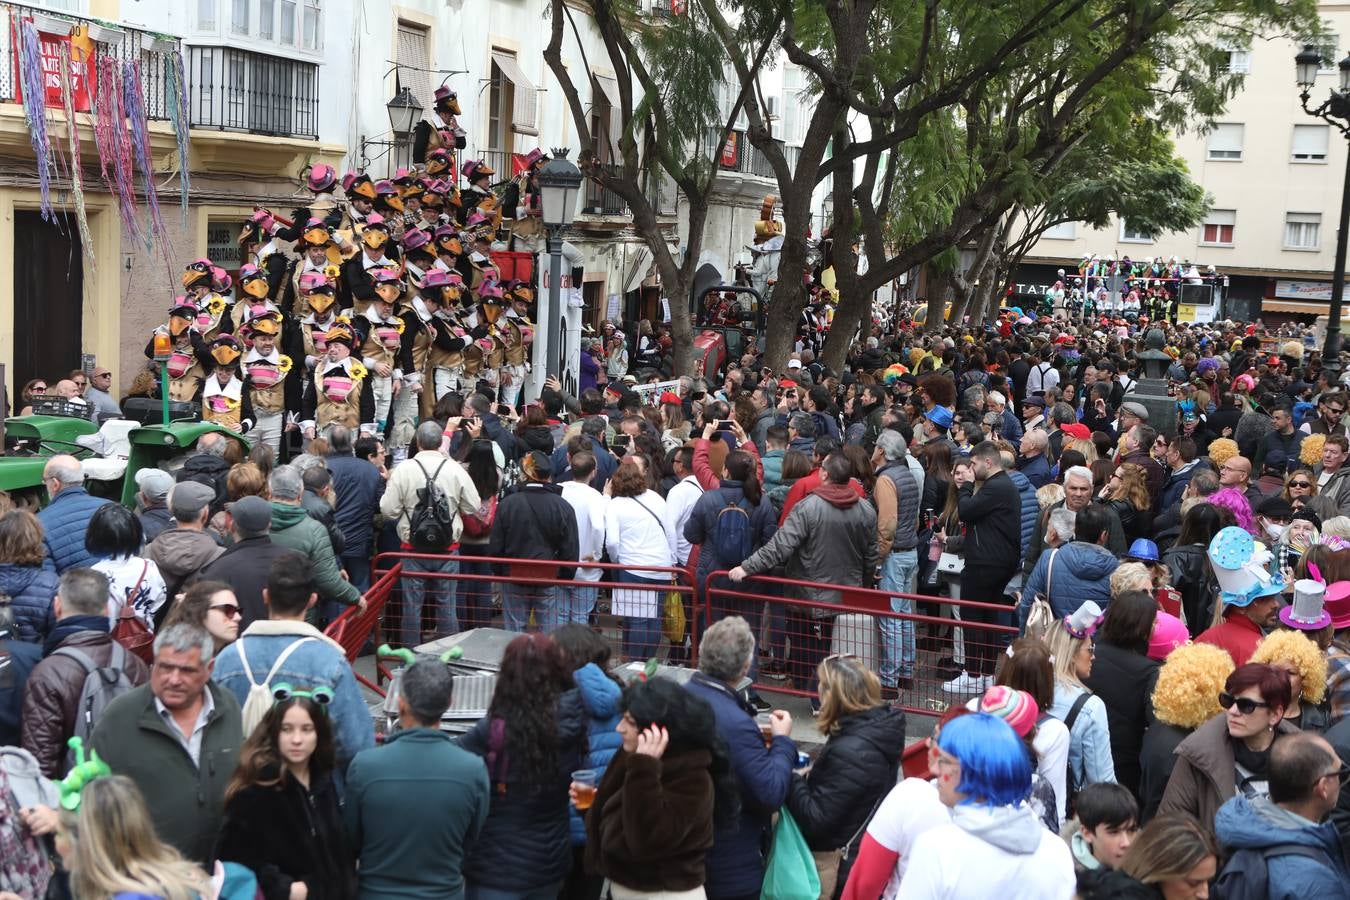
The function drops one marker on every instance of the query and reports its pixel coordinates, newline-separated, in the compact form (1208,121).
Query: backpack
(431,527)
(260,699)
(478,524)
(102,685)
(733,537)
(1246,876)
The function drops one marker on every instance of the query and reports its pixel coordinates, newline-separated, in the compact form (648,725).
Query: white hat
(1307,613)
(1084,620)
(1239,567)
(794,363)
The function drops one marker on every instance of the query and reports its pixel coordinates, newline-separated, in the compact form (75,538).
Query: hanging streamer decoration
(76,166)
(178,115)
(35,110)
(114,148)
(139,129)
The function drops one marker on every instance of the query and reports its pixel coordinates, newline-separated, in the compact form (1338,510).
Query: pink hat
(321,177)
(1169,633)
(1337,603)
(1017,708)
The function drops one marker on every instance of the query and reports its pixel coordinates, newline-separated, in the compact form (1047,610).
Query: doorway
(48,297)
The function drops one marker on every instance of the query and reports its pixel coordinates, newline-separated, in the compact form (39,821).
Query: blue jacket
(1031,510)
(22,657)
(1257,824)
(735,864)
(1177,481)
(1082,572)
(605,464)
(1012,427)
(773,468)
(31,590)
(702,524)
(600,699)
(312,664)
(358,486)
(1036,469)
(64,522)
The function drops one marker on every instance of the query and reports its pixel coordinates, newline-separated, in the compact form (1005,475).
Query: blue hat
(940,416)
(1143,549)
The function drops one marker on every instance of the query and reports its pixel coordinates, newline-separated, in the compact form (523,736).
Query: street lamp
(1335,110)
(404,112)
(559,185)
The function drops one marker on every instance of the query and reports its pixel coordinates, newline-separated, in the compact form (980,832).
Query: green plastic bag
(791,871)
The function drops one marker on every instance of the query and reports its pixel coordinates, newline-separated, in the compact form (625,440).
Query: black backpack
(431,528)
(1246,876)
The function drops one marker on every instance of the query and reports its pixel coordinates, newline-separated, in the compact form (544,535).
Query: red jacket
(807,484)
(1236,633)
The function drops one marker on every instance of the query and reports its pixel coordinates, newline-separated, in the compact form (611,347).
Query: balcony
(737,154)
(154,53)
(239,90)
(601,201)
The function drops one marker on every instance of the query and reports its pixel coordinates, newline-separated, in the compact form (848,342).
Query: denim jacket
(1089,738)
(314,663)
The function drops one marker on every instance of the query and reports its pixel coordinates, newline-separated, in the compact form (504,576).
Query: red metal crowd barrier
(355,626)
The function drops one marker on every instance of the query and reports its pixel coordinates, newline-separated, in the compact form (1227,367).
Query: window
(267,19)
(206,15)
(288,22)
(1302,231)
(1218,227)
(1225,142)
(796,113)
(727,95)
(1064,231)
(606,116)
(309,26)
(413,58)
(239,16)
(499,89)
(1134,235)
(523,111)
(1239,62)
(1310,143)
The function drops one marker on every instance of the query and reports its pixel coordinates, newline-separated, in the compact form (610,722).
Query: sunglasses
(1245,705)
(228,610)
(39,387)
(1300,484)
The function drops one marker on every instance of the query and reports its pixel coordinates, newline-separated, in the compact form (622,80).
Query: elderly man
(99,394)
(1031,460)
(1132,414)
(184,550)
(152,498)
(245,563)
(358,485)
(178,738)
(208,466)
(1033,413)
(898,496)
(1010,427)
(1237,473)
(1082,567)
(66,518)
(296,530)
(1077,497)
(735,863)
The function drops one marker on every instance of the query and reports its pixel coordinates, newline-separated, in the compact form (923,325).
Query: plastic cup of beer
(765,722)
(584,782)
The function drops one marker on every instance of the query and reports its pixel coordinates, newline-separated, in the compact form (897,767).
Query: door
(48,297)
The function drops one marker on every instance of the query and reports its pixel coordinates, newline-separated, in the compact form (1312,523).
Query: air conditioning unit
(772,104)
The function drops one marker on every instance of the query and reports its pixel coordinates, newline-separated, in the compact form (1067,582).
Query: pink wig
(1232,499)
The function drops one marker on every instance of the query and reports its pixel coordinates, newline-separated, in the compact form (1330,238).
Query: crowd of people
(1147,698)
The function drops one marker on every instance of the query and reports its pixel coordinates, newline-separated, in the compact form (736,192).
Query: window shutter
(414,59)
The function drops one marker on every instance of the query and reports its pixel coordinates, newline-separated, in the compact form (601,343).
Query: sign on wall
(222,243)
(1304,290)
(82,66)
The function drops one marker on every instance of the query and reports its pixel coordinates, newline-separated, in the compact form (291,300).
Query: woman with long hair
(1070,642)
(1300,486)
(946,530)
(34,387)
(863,469)
(533,431)
(31,586)
(1123,677)
(1028,667)
(211,605)
(283,819)
(1126,492)
(637,533)
(475,597)
(114,538)
(1299,658)
(1231,752)
(110,848)
(864,738)
(1175,855)
(796,465)
(532,737)
(674,426)
(651,823)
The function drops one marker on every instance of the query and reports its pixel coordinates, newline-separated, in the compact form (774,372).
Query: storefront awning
(1294,306)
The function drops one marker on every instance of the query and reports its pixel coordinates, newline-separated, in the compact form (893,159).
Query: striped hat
(1017,708)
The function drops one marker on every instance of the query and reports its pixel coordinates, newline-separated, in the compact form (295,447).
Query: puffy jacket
(1031,510)
(773,468)
(1259,823)
(525,843)
(212,471)
(181,553)
(320,511)
(1124,680)
(293,529)
(19,659)
(735,864)
(1081,572)
(358,486)
(600,695)
(535,522)
(849,779)
(64,522)
(701,528)
(154,520)
(31,590)
(1177,482)
(53,693)
(1036,468)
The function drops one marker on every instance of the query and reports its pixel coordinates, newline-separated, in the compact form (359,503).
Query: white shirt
(125,574)
(636,533)
(680,502)
(1041,378)
(589,506)
(192,744)
(911,808)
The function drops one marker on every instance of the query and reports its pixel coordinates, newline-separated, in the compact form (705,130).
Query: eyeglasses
(1245,705)
(1300,484)
(228,610)
(39,387)
(1340,774)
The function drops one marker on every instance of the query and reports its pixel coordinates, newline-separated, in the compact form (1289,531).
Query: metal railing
(601,201)
(239,90)
(749,159)
(120,42)
(498,160)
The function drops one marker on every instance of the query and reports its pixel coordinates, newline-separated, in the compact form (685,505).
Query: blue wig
(995,767)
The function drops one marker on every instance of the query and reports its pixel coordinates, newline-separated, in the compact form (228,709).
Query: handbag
(951,564)
(833,866)
(790,873)
(1042,615)
(131,631)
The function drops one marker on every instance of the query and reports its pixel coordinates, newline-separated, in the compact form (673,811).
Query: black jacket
(287,834)
(854,771)
(1124,680)
(318,509)
(526,841)
(244,566)
(993,520)
(154,520)
(17,660)
(210,471)
(535,522)
(1189,572)
(1156,760)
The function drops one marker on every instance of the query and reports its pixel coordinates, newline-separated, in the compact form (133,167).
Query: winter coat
(212,471)
(184,799)
(735,864)
(318,509)
(1036,468)
(525,843)
(1237,634)
(773,468)
(605,464)
(64,522)
(600,696)
(294,529)
(1257,824)
(1177,481)
(535,522)
(993,520)
(1188,571)
(536,437)
(358,486)
(1134,522)
(830,536)
(651,823)
(51,699)
(702,526)
(1124,680)
(1204,777)
(286,833)
(181,553)
(1155,475)
(31,590)
(17,660)
(849,778)
(154,520)
(244,566)
(413,808)
(1157,758)
(1081,571)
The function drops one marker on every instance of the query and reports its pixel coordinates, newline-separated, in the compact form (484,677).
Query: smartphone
(503,409)
(724,424)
